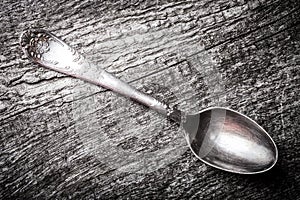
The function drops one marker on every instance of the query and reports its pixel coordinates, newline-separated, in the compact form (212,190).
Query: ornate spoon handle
(49,51)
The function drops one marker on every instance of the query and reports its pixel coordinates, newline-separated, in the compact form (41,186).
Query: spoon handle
(46,49)
(111,82)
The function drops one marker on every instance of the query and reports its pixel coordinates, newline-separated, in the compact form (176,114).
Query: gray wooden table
(62,138)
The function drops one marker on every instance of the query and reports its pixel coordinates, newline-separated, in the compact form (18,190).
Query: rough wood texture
(62,138)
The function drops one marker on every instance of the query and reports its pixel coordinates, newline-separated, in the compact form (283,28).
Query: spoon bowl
(228,140)
(220,137)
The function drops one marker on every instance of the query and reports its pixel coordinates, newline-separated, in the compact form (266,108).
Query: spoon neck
(174,115)
(117,85)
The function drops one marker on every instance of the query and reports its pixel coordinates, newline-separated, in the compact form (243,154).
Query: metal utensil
(220,137)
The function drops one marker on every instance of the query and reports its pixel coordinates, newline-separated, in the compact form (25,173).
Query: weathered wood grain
(62,138)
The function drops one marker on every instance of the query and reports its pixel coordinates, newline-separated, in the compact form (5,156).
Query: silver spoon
(220,137)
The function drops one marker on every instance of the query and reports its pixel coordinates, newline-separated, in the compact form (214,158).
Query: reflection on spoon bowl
(228,140)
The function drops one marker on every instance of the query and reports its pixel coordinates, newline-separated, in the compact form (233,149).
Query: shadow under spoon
(220,137)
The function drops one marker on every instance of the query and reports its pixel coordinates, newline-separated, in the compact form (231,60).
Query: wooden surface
(61,138)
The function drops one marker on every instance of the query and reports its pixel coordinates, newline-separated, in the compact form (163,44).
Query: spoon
(220,137)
